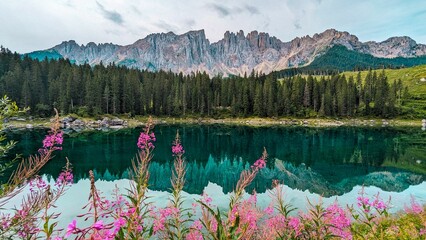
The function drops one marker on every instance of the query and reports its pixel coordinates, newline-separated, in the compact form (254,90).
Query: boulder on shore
(78,122)
(68,120)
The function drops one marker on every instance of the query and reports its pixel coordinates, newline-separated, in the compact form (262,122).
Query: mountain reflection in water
(327,161)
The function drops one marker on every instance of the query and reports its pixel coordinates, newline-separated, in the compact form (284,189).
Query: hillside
(338,59)
(410,77)
(342,59)
(414,78)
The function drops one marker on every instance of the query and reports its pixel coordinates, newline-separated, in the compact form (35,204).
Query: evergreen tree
(258,108)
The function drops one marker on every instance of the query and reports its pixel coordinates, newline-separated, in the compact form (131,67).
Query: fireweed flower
(64,178)
(415,207)
(5,221)
(206,199)
(72,227)
(269,210)
(160,220)
(195,231)
(145,140)
(339,221)
(53,141)
(37,184)
(379,204)
(119,222)
(99,225)
(363,201)
(295,224)
(259,164)
(177,148)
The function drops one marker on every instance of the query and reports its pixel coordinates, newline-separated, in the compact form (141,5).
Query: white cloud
(32,25)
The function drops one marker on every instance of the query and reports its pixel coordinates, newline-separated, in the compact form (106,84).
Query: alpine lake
(333,163)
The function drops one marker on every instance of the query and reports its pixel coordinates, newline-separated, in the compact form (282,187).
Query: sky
(29,25)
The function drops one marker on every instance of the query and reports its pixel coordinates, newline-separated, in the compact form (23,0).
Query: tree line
(86,90)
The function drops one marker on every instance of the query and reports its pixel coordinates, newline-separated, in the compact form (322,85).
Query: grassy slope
(410,77)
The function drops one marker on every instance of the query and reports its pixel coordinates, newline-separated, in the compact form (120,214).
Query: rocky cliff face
(236,53)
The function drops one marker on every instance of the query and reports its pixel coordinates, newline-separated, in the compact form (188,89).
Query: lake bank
(95,123)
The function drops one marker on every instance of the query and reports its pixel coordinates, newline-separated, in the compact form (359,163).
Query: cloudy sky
(28,25)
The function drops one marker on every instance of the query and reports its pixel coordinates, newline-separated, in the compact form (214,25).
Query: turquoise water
(327,161)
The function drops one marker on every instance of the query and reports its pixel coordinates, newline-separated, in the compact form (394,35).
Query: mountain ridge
(236,53)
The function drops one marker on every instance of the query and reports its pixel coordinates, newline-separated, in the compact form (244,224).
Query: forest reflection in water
(327,161)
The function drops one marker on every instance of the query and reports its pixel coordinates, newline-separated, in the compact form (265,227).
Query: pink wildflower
(379,204)
(5,221)
(339,221)
(158,225)
(269,210)
(414,208)
(177,149)
(363,201)
(213,225)
(37,184)
(145,140)
(276,222)
(295,224)
(160,220)
(197,225)
(64,178)
(99,225)
(259,164)
(72,227)
(119,222)
(250,217)
(194,235)
(194,232)
(206,199)
(252,199)
(52,141)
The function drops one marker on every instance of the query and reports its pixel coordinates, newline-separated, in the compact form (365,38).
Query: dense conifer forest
(90,91)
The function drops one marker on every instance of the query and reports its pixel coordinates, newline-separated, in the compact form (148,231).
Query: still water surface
(326,161)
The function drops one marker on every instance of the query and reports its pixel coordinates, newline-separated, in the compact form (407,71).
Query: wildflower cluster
(65,178)
(259,164)
(177,148)
(53,141)
(146,140)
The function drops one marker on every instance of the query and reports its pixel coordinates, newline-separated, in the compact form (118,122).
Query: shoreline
(88,123)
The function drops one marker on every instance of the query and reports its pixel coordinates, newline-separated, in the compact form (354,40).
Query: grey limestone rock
(235,53)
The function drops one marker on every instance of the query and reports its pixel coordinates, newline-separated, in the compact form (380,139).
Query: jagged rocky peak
(196,33)
(236,53)
(69,43)
(92,44)
(404,42)
(67,47)
(395,47)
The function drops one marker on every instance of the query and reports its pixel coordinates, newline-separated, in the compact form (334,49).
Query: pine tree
(107,98)
(368,91)
(258,108)
(381,94)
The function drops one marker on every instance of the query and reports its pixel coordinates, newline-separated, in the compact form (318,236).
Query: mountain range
(235,53)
